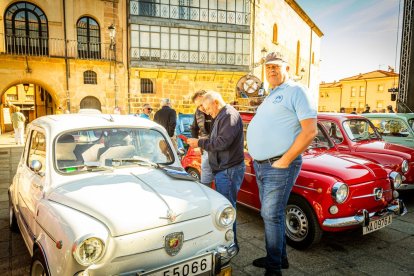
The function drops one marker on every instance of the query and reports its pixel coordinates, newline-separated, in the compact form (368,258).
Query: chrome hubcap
(297,226)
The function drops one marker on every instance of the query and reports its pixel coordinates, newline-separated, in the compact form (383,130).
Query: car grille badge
(174,243)
(378,193)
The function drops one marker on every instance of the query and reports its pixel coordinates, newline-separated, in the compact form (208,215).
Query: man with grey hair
(225,147)
(146,111)
(167,117)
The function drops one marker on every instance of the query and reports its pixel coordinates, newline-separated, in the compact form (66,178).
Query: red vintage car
(357,136)
(334,192)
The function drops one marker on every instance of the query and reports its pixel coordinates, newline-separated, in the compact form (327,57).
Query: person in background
(201,128)
(367,108)
(225,148)
(167,117)
(374,111)
(382,110)
(281,130)
(146,112)
(389,109)
(342,110)
(354,111)
(18,120)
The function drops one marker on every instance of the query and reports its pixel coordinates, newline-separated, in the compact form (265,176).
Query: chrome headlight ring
(396,179)
(225,216)
(340,192)
(404,166)
(88,250)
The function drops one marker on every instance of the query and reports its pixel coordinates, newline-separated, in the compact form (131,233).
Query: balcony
(239,16)
(54,47)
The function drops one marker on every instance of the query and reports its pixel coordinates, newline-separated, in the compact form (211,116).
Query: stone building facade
(371,88)
(67,58)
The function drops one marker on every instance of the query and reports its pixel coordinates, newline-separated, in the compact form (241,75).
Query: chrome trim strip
(251,174)
(306,188)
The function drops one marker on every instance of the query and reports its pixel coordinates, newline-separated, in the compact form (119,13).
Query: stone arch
(50,88)
(90,102)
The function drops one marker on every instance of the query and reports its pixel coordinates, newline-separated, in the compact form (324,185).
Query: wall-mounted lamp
(264,53)
(112,35)
(26,87)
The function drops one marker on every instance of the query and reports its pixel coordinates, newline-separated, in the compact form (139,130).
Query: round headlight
(225,216)
(340,192)
(88,251)
(396,179)
(404,166)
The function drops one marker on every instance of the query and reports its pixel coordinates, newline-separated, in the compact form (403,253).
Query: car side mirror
(36,166)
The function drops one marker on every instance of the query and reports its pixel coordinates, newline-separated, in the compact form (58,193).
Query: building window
(361,91)
(215,11)
(380,104)
(26,30)
(183,45)
(89,77)
(89,41)
(380,88)
(361,105)
(352,104)
(274,40)
(147,87)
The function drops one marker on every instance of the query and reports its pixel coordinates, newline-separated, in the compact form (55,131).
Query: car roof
(338,116)
(381,115)
(64,122)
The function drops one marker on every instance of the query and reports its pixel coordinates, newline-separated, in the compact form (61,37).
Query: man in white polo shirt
(283,127)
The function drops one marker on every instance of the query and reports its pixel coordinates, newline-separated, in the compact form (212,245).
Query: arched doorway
(34,101)
(90,102)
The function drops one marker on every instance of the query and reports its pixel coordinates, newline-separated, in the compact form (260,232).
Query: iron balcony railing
(185,56)
(240,15)
(55,47)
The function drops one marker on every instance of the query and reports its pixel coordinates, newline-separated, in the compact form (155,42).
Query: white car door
(31,184)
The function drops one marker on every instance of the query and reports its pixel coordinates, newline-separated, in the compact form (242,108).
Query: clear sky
(360,36)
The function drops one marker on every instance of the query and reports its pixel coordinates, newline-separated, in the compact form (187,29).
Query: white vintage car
(99,194)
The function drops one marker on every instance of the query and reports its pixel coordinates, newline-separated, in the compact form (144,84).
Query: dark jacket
(225,146)
(167,117)
(202,125)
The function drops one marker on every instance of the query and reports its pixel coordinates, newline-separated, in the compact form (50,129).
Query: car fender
(56,238)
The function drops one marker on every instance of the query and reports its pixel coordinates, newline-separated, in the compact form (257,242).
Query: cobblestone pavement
(389,251)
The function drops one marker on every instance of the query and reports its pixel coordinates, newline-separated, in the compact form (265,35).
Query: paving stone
(4,249)
(381,266)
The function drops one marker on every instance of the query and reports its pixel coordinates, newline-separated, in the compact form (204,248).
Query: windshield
(359,130)
(105,149)
(391,127)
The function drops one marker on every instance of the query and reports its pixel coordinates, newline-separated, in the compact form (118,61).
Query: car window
(391,127)
(411,123)
(360,129)
(37,149)
(334,131)
(321,140)
(81,150)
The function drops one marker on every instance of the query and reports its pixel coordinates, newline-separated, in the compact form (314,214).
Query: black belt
(270,160)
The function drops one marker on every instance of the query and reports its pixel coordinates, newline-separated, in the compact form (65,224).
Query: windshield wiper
(136,160)
(96,168)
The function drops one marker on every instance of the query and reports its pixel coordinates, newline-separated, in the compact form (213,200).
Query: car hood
(385,148)
(349,169)
(134,200)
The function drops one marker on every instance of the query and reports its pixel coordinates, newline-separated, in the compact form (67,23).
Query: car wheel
(194,173)
(38,267)
(302,226)
(12,218)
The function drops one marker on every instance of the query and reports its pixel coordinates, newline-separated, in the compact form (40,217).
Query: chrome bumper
(363,218)
(223,256)
(406,186)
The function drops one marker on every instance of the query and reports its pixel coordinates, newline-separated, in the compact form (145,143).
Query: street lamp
(26,87)
(264,53)
(112,35)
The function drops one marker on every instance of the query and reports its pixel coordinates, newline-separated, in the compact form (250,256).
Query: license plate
(201,265)
(377,224)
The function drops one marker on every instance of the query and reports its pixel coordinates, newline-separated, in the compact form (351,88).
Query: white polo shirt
(277,121)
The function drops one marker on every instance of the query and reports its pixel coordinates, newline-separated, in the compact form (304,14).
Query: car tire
(194,173)
(38,266)
(302,226)
(14,227)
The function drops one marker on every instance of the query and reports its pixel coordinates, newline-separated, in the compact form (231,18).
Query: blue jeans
(228,184)
(274,189)
(207,175)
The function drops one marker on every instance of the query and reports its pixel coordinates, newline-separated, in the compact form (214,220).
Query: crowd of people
(368,110)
